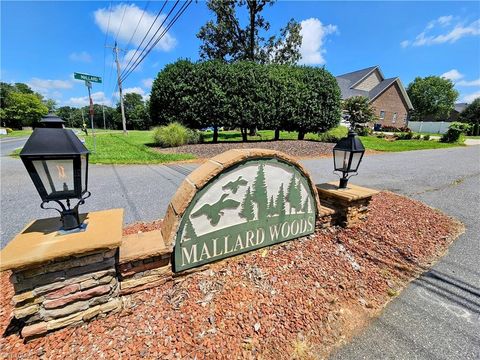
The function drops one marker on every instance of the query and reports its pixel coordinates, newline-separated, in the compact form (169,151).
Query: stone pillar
(64,279)
(350,204)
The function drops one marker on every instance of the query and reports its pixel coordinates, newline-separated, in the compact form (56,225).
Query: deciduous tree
(432,96)
(471,115)
(227,39)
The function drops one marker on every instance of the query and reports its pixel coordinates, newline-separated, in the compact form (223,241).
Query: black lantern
(57,162)
(52,121)
(347,155)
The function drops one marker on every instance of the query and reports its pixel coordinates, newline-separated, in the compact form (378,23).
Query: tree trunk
(244,134)
(253,131)
(215,134)
(277,134)
(476,130)
(252,31)
(301,135)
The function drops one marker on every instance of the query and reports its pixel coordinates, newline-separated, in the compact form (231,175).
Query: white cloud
(147,82)
(453,75)
(81,57)
(434,33)
(97,97)
(313,37)
(134,90)
(470,97)
(131,57)
(39,84)
(469,83)
(456,77)
(109,20)
(49,88)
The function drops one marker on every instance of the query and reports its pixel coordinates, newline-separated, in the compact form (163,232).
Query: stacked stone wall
(65,292)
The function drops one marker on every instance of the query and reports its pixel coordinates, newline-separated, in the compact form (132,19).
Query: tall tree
(228,40)
(432,96)
(50,104)
(280,201)
(305,205)
(189,231)
(23,110)
(471,115)
(294,197)
(272,210)
(247,211)
(260,193)
(136,112)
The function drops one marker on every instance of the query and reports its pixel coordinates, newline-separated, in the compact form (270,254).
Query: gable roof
(460,107)
(347,83)
(356,76)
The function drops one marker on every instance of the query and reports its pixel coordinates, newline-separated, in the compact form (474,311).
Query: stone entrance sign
(262,199)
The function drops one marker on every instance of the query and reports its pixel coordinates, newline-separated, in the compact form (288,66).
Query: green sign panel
(252,205)
(87,77)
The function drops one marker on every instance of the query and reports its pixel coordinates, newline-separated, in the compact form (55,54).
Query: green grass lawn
(17,133)
(116,148)
(374,143)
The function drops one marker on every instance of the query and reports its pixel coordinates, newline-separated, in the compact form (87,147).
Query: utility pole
(89,87)
(103,110)
(124,122)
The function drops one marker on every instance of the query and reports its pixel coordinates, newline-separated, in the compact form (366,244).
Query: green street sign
(86,77)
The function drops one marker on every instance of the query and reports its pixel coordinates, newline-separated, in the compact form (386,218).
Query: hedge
(246,95)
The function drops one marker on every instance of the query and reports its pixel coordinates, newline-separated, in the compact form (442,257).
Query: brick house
(387,96)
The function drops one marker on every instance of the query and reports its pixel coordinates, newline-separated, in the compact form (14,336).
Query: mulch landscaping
(299,299)
(296,148)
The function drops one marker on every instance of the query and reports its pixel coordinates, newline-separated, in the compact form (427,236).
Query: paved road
(7,145)
(436,317)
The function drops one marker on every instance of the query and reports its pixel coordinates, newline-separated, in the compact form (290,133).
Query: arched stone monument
(236,202)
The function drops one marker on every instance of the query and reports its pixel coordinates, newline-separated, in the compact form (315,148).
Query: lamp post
(57,163)
(347,155)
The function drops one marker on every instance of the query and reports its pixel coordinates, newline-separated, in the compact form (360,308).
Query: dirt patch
(298,299)
(296,148)
(139,227)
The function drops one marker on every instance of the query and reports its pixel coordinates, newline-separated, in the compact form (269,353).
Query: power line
(105,46)
(126,70)
(139,21)
(166,29)
(150,28)
(121,22)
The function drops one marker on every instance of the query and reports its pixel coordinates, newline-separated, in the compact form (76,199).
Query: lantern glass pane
(356,157)
(84,172)
(341,158)
(56,175)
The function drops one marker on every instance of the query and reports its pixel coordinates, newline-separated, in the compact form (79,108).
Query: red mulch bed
(296,148)
(298,299)
(142,227)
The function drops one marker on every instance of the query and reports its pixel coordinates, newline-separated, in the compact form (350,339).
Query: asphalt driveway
(436,317)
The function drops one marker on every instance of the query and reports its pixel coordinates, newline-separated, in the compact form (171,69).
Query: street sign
(86,77)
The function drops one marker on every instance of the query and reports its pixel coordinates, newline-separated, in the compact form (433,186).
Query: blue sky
(43,42)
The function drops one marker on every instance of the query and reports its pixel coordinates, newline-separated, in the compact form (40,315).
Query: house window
(394,118)
(382,115)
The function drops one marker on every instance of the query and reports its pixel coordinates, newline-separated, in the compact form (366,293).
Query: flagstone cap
(201,176)
(140,246)
(40,242)
(351,193)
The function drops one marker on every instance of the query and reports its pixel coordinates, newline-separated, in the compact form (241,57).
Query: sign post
(88,83)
